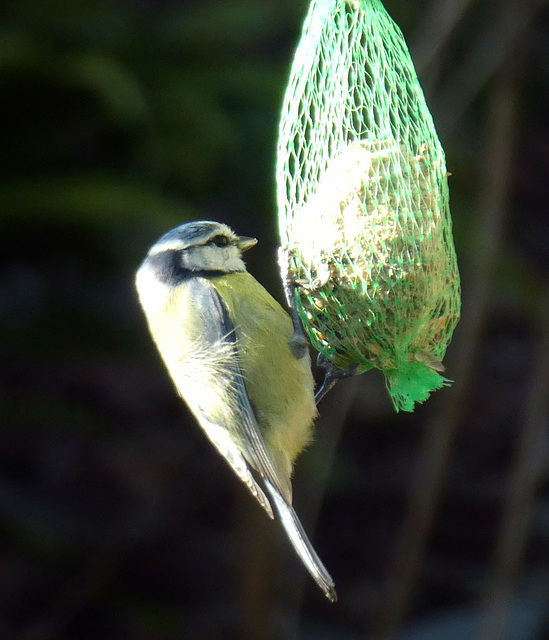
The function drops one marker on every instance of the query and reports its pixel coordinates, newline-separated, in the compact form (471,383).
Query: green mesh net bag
(363,202)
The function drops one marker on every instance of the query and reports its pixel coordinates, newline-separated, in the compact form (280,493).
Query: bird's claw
(331,375)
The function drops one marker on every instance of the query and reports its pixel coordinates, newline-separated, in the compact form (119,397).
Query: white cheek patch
(233,259)
(226,259)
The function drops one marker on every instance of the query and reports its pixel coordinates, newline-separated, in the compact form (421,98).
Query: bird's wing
(225,411)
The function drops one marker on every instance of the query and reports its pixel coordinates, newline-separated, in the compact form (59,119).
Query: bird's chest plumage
(280,386)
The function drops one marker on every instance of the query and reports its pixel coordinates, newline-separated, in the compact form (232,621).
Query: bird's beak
(244,243)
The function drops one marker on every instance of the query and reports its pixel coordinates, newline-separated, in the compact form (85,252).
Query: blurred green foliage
(120,113)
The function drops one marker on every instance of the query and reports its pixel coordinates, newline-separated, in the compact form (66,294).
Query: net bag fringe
(362,191)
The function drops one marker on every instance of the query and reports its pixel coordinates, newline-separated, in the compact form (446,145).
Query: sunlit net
(363,202)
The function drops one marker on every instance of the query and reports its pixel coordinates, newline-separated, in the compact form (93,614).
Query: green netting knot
(412,382)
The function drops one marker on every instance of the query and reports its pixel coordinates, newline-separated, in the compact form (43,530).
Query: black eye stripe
(219,241)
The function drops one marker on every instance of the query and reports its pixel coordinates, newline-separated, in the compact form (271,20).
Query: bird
(233,356)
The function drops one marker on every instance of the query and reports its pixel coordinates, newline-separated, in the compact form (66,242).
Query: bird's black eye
(219,241)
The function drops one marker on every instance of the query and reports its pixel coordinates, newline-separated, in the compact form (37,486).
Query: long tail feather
(302,544)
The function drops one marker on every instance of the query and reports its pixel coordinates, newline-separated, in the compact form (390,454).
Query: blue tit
(227,345)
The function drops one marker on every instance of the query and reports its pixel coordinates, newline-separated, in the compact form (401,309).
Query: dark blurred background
(120,119)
